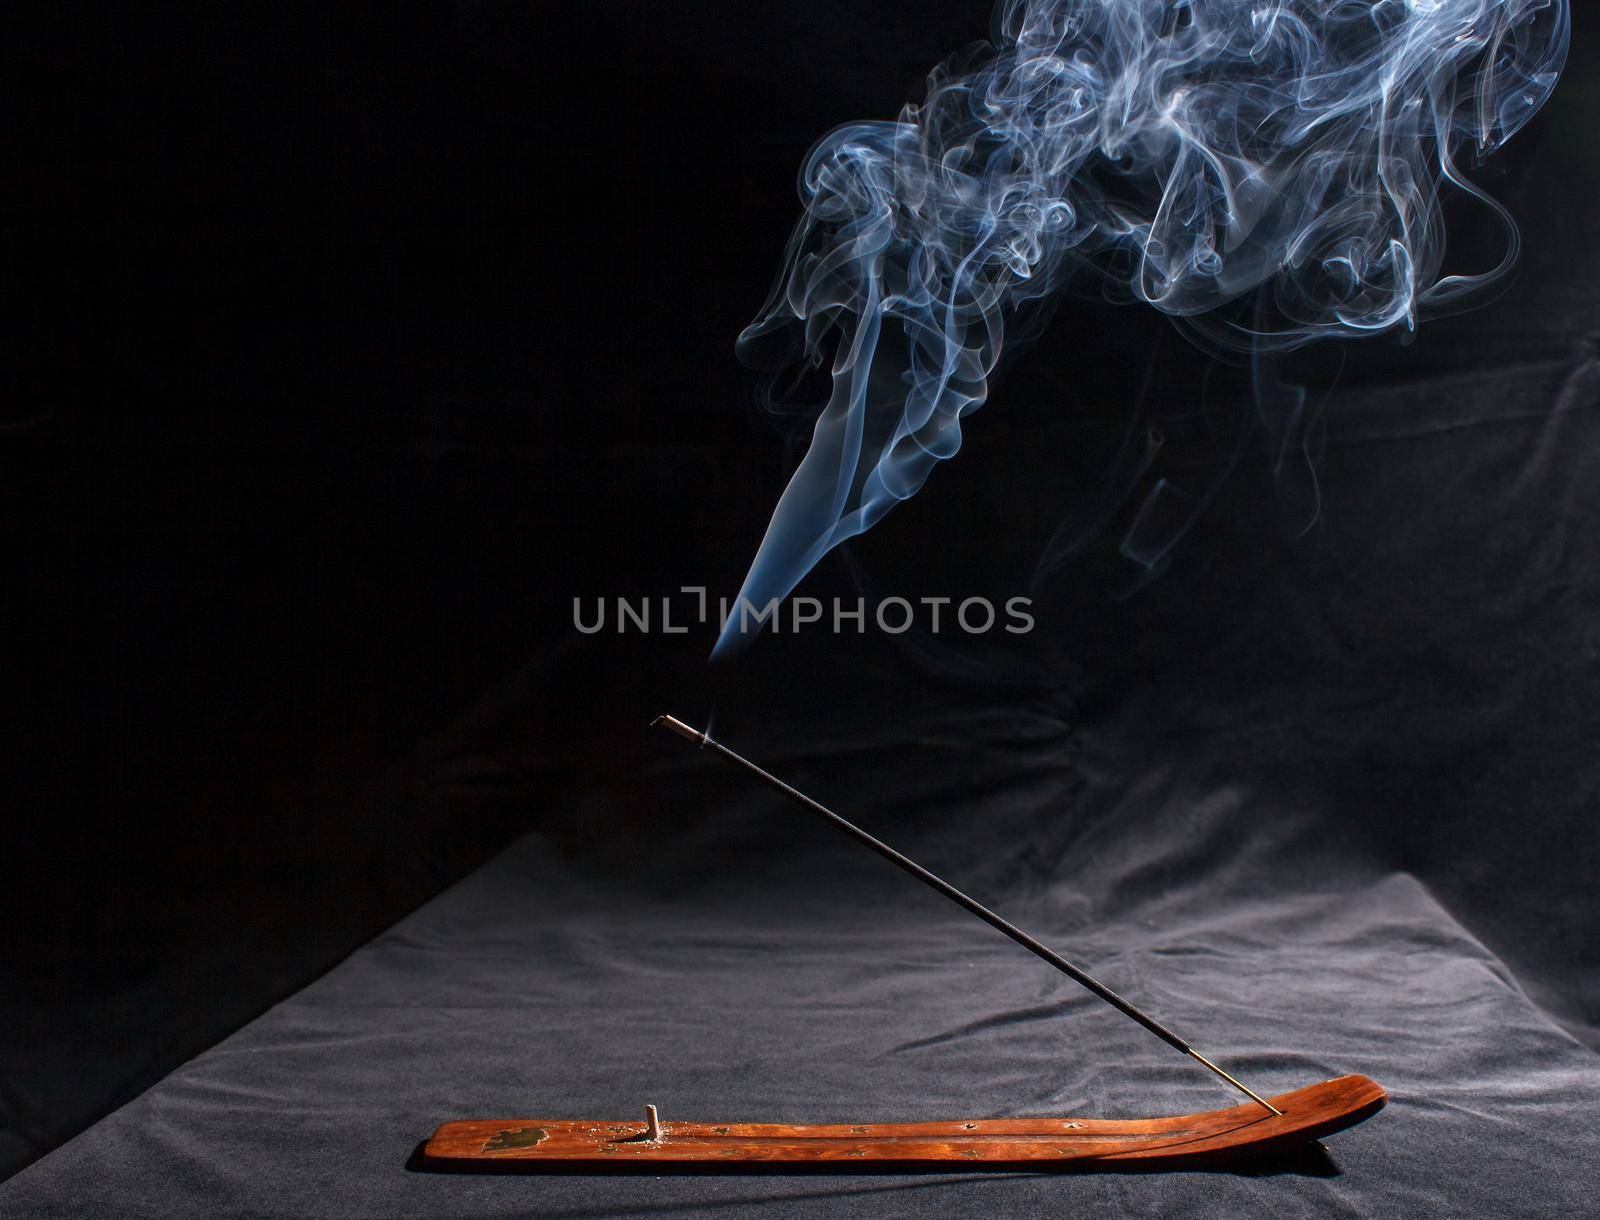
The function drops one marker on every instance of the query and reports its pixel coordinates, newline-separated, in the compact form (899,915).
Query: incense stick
(933,881)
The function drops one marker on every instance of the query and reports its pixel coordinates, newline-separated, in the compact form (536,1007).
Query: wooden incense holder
(1037,1144)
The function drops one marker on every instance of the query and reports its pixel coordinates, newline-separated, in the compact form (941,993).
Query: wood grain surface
(533,1144)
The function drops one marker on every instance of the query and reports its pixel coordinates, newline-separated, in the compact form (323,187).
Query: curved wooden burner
(1039,1144)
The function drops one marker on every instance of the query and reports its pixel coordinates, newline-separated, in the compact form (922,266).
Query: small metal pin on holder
(652,1124)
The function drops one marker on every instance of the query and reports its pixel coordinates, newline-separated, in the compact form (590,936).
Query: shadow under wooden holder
(1215,1137)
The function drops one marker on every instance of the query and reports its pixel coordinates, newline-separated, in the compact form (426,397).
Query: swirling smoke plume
(1199,154)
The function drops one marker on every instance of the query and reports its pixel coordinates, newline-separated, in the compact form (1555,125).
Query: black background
(347,345)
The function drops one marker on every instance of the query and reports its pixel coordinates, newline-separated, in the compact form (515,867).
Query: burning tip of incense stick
(681,729)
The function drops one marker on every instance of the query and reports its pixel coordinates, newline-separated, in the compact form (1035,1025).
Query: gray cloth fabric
(1325,803)
(827,987)
(1290,810)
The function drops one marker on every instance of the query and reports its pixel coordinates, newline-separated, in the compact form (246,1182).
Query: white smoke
(1195,151)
